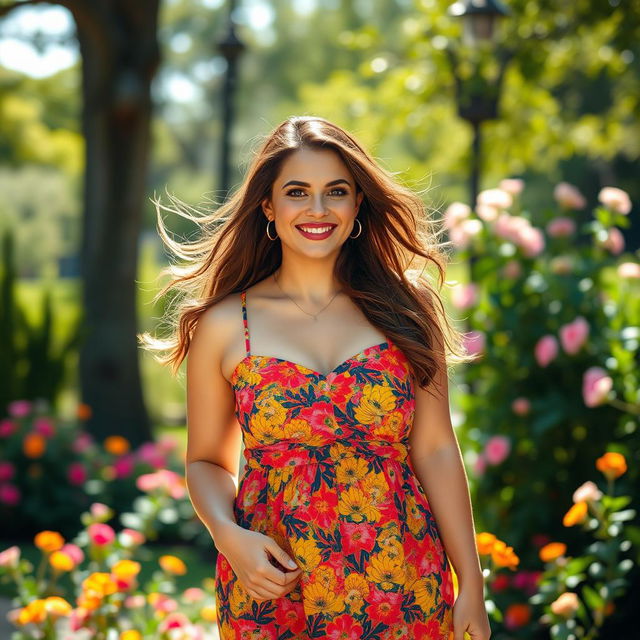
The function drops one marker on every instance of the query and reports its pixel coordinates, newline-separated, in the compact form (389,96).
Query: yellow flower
(89,602)
(130,634)
(375,486)
(208,613)
(99,585)
(390,427)
(576,515)
(35,612)
(385,571)
(354,503)
(485,542)
(612,464)
(327,577)
(116,445)
(61,561)
(376,402)
(415,517)
(307,554)
(125,569)
(173,564)
(56,606)
(49,541)
(319,599)
(270,411)
(424,591)
(553,550)
(351,470)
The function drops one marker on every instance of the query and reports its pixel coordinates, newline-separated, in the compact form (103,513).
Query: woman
(309,344)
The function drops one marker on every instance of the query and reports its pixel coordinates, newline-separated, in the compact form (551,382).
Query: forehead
(316,166)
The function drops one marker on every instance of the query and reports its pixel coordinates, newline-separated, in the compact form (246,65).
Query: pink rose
(10,557)
(193,594)
(101,534)
(495,198)
(77,474)
(464,232)
(629,270)
(531,241)
(596,385)
(100,511)
(135,602)
(614,242)
(74,552)
(546,350)
(513,186)
(149,453)
(131,538)
(10,494)
(19,408)
(561,226)
(521,406)
(587,492)
(487,213)
(497,449)
(615,199)
(464,296)
(175,620)
(568,196)
(7,470)
(164,480)
(124,466)
(574,335)
(455,213)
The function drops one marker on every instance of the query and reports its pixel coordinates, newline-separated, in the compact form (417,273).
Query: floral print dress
(328,476)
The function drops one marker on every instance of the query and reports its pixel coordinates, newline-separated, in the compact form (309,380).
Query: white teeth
(316,230)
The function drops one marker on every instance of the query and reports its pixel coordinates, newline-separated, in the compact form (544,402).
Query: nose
(317,204)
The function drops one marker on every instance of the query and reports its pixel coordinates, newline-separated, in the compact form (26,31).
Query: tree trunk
(120,55)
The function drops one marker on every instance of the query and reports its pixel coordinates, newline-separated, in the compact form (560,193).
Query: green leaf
(592,597)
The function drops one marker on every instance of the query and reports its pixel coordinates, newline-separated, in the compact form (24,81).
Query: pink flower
(614,242)
(508,226)
(74,552)
(149,453)
(561,226)
(7,471)
(101,534)
(78,618)
(526,580)
(82,442)
(568,196)
(596,385)
(474,342)
(487,213)
(175,620)
(167,444)
(546,350)
(164,480)
(10,494)
(7,428)
(574,335)
(19,408)
(44,426)
(193,594)
(497,449)
(76,473)
(615,199)
(565,605)
(587,492)
(513,186)
(124,466)
(164,603)
(10,557)
(464,296)
(531,241)
(464,232)
(131,538)
(521,406)
(629,270)
(135,602)
(455,213)
(496,198)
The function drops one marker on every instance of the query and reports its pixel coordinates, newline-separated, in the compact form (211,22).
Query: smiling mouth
(316,232)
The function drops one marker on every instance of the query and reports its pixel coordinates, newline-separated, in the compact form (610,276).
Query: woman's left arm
(437,461)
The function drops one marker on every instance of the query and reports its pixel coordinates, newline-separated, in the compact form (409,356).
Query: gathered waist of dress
(287,453)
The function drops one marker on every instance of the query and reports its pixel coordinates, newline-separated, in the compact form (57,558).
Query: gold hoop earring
(268,236)
(359,231)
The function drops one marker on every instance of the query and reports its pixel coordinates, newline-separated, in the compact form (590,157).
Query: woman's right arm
(214,436)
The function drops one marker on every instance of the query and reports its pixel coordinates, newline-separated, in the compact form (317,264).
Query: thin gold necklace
(313,315)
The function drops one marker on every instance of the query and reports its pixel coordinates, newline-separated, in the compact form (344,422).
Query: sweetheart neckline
(321,376)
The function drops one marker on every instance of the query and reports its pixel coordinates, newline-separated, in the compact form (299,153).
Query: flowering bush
(51,470)
(598,574)
(552,307)
(104,598)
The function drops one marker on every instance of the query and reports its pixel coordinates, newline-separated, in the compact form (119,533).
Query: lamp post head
(479,18)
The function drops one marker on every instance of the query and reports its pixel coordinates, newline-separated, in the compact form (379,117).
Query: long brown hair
(383,270)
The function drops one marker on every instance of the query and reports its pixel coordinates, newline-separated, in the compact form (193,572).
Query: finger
(280,554)
(458,631)
(258,590)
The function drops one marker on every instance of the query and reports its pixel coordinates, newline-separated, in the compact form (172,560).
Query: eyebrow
(300,183)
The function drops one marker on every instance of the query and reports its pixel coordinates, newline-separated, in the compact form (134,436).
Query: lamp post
(231,48)
(477,99)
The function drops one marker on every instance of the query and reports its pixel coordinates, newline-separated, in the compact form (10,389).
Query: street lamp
(477,98)
(231,48)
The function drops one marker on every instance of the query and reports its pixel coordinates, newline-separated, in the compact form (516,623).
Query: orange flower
(35,612)
(485,542)
(57,606)
(208,613)
(172,564)
(576,515)
(553,550)
(612,464)
(34,445)
(130,634)
(89,602)
(99,584)
(49,541)
(125,569)
(116,445)
(84,411)
(61,561)
(503,555)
